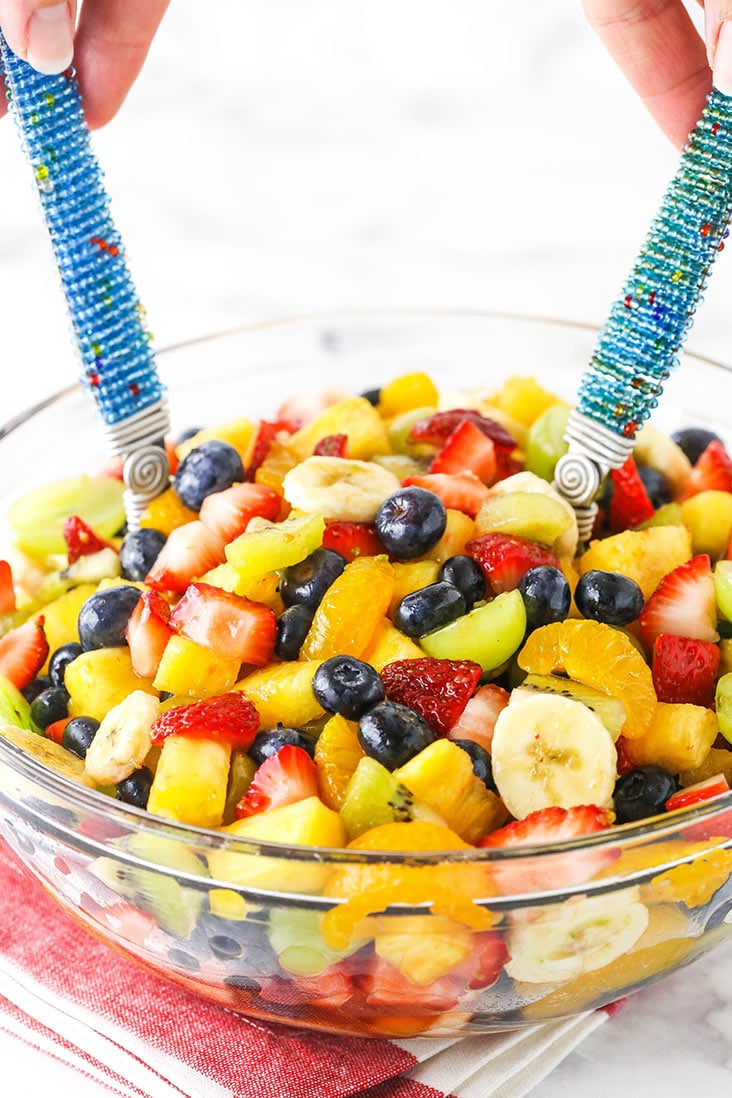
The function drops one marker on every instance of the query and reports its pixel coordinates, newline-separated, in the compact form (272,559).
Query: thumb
(40,31)
(718,35)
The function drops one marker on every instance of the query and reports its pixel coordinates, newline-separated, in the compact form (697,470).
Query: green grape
(37,519)
(545,443)
(723,703)
(489,635)
(14,709)
(723,587)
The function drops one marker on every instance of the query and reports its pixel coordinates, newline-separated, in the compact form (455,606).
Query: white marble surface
(282,156)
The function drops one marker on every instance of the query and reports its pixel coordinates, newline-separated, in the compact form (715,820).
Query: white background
(283,156)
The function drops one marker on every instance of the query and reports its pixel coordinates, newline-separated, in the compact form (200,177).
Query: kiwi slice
(532,515)
(14,709)
(610,711)
(176,907)
(241,772)
(37,519)
(374,796)
(298,943)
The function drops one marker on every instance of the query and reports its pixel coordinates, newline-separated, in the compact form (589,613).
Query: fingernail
(50,39)
(723,60)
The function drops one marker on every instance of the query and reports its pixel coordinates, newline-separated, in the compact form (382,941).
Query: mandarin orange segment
(695,882)
(350,610)
(450,889)
(337,754)
(600,656)
(166,512)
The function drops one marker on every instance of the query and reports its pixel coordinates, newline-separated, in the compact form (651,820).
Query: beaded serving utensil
(118,365)
(640,342)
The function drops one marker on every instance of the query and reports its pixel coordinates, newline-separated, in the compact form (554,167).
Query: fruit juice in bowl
(366,748)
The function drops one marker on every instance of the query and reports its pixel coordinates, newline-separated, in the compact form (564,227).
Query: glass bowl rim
(90,800)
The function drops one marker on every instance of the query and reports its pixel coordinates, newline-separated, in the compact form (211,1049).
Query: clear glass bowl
(242,923)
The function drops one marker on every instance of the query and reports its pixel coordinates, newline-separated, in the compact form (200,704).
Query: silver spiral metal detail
(146,471)
(578,478)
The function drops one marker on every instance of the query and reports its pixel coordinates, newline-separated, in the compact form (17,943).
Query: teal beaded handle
(639,345)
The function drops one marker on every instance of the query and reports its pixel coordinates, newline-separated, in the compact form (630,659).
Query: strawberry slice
(682,604)
(458,491)
(505,558)
(23,652)
(331,446)
(352,539)
(265,436)
(713,470)
(289,775)
(386,987)
(478,719)
(7,589)
(329,989)
(148,632)
(226,623)
(489,957)
(437,689)
(467,450)
(55,730)
(81,540)
(230,717)
(549,871)
(437,428)
(190,550)
(228,513)
(698,793)
(507,463)
(629,503)
(685,670)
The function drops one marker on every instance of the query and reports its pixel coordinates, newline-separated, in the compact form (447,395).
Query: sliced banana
(339,488)
(551,750)
(579,935)
(49,753)
(123,739)
(566,545)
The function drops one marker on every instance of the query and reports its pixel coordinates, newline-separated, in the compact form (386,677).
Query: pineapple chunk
(304,823)
(354,417)
(188,668)
(459,529)
(442,777)
(166,512)
(523,399)
(191,780)
(423,947)
(239,433)
(389,644)
(646,556)
(99,680)
(708,516)
(407,392)
(283,693)
(60,617)
(679,737)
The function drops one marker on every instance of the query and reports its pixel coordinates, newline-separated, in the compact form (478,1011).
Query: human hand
(108,47)
(658,48)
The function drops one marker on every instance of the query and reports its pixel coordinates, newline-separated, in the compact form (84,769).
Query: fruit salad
(366,625)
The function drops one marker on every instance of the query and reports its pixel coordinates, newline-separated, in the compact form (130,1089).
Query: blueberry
(429,608)
(210,467)
(392,734)
(33,689)
(373,396)
(694,441)
(482,766)
(410,522)
(655,484)
(52,704)
(293,626)
(139,551)
(60,660)
(642,792)
(609,597)
(306,582)
(463,572)
(270,740)
(104,616)
(78,735)
(136,788)
(546,594)
(345,685)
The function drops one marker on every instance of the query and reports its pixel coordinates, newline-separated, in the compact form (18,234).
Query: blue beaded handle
(640,342)
(118,365)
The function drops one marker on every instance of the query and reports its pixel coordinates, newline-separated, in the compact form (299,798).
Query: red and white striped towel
(74,1000)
